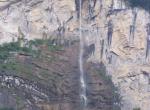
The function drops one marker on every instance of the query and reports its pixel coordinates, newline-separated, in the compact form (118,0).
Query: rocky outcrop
(113,33)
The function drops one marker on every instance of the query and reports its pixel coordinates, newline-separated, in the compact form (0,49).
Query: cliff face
(113,33)
(124,47)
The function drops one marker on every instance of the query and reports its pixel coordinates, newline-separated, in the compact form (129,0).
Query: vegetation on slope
(136,109)
(115,94)
(21,61)
(7,49)
(6,109)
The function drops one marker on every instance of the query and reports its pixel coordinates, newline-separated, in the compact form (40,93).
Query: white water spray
(82,78)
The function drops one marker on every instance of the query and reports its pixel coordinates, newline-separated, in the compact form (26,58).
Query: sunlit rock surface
(114,34)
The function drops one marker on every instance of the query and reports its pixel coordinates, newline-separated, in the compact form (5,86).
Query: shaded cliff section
(144,4)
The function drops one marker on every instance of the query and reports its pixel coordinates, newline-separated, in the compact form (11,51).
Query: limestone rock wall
(113,33)
(121,40)
(35,18)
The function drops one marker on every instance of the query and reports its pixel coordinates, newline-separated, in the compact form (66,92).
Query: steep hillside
(48,79)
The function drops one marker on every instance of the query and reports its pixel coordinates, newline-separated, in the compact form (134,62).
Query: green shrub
(136,109)
(4,55)
(6,108)
(13,46)
(36,42)
(54,48)
(8,48)
(47,42)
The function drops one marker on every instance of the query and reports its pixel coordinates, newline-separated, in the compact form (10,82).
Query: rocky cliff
(115,34)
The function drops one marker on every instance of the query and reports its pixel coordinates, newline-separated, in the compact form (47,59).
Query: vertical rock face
(117,35)
(35,17)
(121,38)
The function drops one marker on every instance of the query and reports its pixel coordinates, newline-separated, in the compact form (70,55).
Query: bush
(48,43)
(136,109)
(7,48)
(145,4)
(37,42)
(6,109)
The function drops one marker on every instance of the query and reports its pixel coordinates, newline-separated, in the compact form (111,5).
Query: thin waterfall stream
(82,75)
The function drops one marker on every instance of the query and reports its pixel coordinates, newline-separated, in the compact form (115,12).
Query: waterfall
(82,76)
